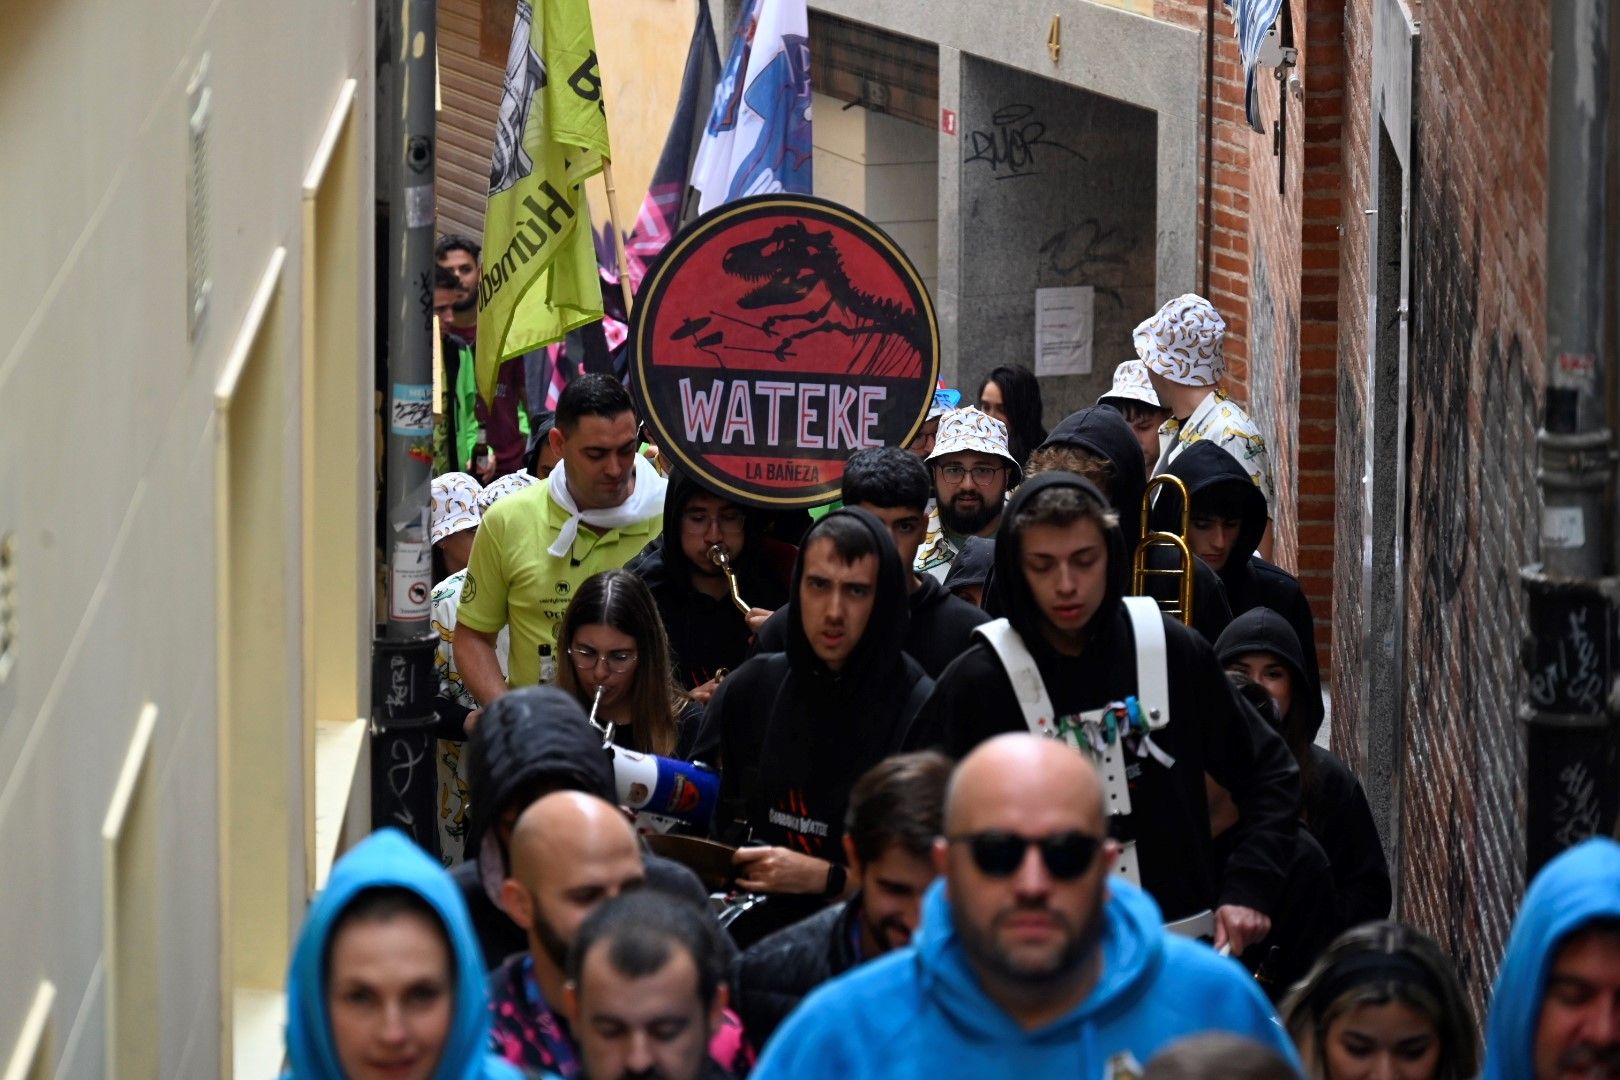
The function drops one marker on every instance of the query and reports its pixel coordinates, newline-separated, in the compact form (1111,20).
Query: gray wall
(1054,191)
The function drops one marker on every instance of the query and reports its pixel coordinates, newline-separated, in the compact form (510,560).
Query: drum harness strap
(1100,733)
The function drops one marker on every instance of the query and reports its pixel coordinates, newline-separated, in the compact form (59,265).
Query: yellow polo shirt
(513,581)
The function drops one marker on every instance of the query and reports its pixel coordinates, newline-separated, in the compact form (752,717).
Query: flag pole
(618,235)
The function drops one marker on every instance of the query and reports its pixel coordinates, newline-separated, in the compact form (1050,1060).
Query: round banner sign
(777,335)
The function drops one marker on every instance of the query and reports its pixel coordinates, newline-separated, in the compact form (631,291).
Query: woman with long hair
(1012,395)
(612,639)
(1382,1001)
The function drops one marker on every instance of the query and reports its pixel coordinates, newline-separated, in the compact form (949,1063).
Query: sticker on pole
(776,336)
(410,581)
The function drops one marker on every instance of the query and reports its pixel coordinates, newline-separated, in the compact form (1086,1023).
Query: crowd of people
(928,784)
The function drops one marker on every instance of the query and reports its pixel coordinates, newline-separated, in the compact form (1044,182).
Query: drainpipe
(404,683)
(1571,696)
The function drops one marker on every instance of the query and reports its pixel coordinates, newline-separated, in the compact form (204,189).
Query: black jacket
(1211,730)
(1332,804)
(530,743)
(774,974)
(941,626)
(705,633)
(1102,431)
(1250,581)
(793,737)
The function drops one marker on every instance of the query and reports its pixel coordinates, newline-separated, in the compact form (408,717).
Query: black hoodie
(706,633)
(1334,806)
(1211,730)
(793,736)
(940,625)
(1102,431)
(529,743)
(1250,581)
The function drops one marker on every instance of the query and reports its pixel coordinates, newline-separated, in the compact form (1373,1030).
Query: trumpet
(722,558)
(1181,606)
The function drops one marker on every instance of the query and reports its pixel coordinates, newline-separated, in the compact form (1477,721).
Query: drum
(709,860)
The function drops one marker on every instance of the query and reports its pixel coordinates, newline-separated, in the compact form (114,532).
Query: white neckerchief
(646,500)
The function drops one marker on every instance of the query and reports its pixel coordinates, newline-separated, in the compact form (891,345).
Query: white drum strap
(1036,705)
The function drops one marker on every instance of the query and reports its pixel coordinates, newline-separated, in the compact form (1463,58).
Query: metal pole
(404,684)
(1574,439)
(1572,648)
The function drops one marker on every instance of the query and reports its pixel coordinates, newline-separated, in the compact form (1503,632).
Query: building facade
(186,484)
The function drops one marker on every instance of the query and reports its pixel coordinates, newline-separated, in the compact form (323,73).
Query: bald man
(570,853)
(1032,960)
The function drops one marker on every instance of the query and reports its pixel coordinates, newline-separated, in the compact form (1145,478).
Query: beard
(1589,1060)
(966,515)
(1079,943)
(551,942)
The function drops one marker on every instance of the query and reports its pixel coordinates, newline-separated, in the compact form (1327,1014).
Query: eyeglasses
(586,658)
(982,474)
(1067,855)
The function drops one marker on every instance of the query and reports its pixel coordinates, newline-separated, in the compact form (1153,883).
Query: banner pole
(618,236)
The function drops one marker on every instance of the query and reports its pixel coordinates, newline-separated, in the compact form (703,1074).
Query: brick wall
(1478,212)
(1229,265)
(1349,447)
(1275,270)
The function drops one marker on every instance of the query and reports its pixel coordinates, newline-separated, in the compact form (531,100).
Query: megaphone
(668,787)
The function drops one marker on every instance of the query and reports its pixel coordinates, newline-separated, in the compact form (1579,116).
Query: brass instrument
(722,558)
(1182,606)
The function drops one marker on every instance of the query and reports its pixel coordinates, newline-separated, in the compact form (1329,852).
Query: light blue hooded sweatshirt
(919,1012)
(1579,886)
(388,858)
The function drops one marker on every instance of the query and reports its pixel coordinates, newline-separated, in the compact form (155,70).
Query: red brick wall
(1229,269)
(1349,448)
(1274,276)
(1478,285)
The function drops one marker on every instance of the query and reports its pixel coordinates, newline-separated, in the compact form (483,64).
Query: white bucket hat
(969,429)
(455,504)
(1132,383)
(1182,342)
(499,489)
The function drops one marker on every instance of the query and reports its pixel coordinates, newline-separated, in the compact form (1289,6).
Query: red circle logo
(776,336)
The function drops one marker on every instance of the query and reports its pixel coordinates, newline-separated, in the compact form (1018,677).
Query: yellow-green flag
(540,279)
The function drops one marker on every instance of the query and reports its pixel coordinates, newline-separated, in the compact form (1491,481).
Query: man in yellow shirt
(601,505)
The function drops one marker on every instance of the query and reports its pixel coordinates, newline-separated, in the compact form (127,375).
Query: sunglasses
(1067,855)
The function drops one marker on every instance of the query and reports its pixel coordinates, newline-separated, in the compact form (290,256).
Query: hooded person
(893,486)
(970,572)
(1083,658)
(708,635)
(794,730)
(532,742)
(386,880)
(1026,963)
(1227,521)
(1333,807)
(1110,456)
(1556,1009)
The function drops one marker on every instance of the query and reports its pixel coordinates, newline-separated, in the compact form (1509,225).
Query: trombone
(1181,606)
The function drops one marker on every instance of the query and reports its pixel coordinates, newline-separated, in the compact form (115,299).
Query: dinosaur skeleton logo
(525,77)
(776,336)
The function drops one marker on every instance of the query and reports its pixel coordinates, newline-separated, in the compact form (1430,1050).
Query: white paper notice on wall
(1563,527)
(1063,329)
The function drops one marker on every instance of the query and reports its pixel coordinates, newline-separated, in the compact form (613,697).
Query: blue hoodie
(1581,885)
(919,1012)
(388,858)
